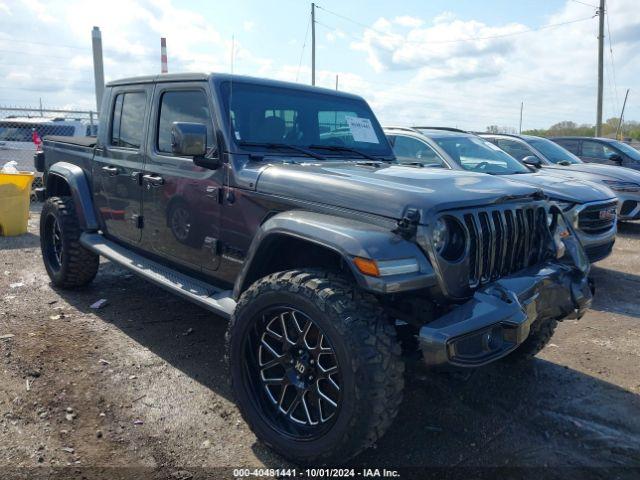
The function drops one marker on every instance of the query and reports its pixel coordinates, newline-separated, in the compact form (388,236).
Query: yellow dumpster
(15,194)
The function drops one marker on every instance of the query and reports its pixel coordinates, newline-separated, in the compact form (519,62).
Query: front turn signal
(367,266)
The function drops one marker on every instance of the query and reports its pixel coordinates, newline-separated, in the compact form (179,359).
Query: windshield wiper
(421,164)
(275,146)
(340,148)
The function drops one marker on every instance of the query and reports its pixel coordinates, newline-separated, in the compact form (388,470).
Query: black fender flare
(78,184)
(347,237)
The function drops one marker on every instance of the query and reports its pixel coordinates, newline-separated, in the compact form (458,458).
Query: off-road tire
(539,336)
(78,266)
(366,347)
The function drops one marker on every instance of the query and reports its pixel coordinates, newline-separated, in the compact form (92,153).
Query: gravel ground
(141,384)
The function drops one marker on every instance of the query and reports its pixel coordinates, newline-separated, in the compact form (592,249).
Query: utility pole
(164,68)
(619,129)
(313,44)
(98,67)
(521,107)
(600,67)
(336,82)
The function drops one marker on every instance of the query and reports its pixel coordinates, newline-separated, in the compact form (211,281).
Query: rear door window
(571,145)
(409,149)
(514,148)
(127,123)
(596,150)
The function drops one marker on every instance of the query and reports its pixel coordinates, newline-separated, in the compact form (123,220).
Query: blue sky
(458,63)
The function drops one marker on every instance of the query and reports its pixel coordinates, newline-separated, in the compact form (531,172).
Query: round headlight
(449,238)
(439,235)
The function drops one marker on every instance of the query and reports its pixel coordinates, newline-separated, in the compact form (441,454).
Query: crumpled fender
(575,254)
(347,237)
(80,192)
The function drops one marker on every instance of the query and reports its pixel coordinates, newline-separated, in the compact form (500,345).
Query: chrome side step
(197,291)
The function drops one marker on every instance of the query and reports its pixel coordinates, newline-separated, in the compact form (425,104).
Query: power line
(584,3)
(470,39)
(48,45)
(304,44)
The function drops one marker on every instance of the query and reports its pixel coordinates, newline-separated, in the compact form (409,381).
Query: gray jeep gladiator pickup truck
(246,197)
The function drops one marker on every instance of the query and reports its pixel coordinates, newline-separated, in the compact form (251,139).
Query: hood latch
(408,224)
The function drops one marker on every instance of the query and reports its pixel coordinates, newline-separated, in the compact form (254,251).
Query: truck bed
(79,141)
(76,150)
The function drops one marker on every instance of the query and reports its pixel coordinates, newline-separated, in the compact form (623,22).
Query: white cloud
(248,26)
(451,80)
(411,69)
(408,21)
(334,35)
(5,8)
(389,49)
(41,10)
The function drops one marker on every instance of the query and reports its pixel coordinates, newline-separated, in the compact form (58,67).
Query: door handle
(111,171)
(153,180)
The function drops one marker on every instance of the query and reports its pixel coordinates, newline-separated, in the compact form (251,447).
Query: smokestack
(98,67)
(163,55)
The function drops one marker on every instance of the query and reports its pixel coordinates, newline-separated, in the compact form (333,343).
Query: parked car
(607,151)
(552,157)
(590,207)
(313,245)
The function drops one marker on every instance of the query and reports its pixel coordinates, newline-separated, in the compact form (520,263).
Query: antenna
(230,120)
(233,46)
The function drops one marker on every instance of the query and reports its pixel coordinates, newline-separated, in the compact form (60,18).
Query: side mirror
(616,158)
(190,140)
(532,161)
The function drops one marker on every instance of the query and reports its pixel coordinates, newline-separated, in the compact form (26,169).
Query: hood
(559,186)
(597,172)
(390,189)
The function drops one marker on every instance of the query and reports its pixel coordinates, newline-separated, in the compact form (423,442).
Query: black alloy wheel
(292,368)
(315,365)
(68,263)
(53,242)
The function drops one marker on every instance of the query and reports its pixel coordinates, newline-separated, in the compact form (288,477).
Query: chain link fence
(22,130)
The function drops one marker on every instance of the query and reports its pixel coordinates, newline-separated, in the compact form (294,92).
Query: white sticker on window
(237,135)
(362,130)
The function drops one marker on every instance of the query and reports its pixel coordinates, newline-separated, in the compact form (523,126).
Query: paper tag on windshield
(362,130)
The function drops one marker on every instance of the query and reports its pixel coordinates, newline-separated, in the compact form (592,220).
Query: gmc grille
(503,241)
(597,219)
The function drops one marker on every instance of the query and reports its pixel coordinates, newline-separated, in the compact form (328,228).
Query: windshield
(628,149)
(479,155)
(552,151)
(278,115)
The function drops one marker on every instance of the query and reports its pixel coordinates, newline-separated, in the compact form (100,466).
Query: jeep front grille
(503,241)
(596,219)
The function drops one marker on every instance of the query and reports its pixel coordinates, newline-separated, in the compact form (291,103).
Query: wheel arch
(302,239)
(67,179)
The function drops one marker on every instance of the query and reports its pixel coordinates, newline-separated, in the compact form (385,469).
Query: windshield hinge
(408,224)
(138,220)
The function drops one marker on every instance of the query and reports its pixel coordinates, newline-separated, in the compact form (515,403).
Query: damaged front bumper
(498,318)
